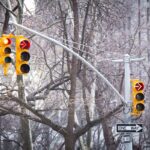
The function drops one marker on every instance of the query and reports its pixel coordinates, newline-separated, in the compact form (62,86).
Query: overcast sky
(30,5)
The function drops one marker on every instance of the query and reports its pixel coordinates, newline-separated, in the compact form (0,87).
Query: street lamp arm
(73,53)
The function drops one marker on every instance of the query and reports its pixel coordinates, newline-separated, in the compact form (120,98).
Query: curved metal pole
(73,53)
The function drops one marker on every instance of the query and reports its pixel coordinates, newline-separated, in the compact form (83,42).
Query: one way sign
(129,128)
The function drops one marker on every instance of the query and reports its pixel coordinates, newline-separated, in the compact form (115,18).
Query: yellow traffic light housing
(22,55)
(137,97)
(5,51)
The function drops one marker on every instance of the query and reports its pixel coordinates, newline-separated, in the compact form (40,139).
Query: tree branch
(7,8)
(43,119)
(96,122)
(50,86)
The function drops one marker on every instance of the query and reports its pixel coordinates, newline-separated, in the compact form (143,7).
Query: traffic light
(22,55)
(137,97)
(5,51)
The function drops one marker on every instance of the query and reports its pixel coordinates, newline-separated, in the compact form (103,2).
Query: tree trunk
(139,33)
(107,130)
(86,107)
(109,139)
(70,139)
(7,145)
(139,21)
(69,142)
(148,30)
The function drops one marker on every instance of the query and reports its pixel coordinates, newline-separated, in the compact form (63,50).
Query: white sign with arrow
(129,128)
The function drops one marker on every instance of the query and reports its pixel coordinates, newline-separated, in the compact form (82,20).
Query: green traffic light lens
(25,68)
(7,60)
(140,107)
(7,50)
(25,56)
(140,96)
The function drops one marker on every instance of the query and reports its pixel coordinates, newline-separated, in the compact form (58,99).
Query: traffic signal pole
(127,86)
(127,96)
(127,137)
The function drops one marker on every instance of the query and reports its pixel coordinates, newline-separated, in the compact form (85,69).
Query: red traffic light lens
(24,44)
(25,68)
(140,107)
(139,86)
(6,41)
(7,50)
(139,96)
(7,59)
(25,56)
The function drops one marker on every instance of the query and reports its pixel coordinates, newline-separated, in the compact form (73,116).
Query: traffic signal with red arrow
(22,55)
(137,97)
(5,51)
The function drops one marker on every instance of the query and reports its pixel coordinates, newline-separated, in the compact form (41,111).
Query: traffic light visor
(25,68)
(7,50)
(140,107)
(25,56)
(139,96)
(7,59)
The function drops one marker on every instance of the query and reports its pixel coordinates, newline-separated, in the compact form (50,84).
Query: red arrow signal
(139,86)
(25,44)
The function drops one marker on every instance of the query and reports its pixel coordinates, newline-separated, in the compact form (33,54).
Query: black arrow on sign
(129,128)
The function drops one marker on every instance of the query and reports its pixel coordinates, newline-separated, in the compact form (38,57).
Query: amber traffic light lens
(140,107)
(25,68)
(7,60)
(139,96)
(7,50)
(25,56)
